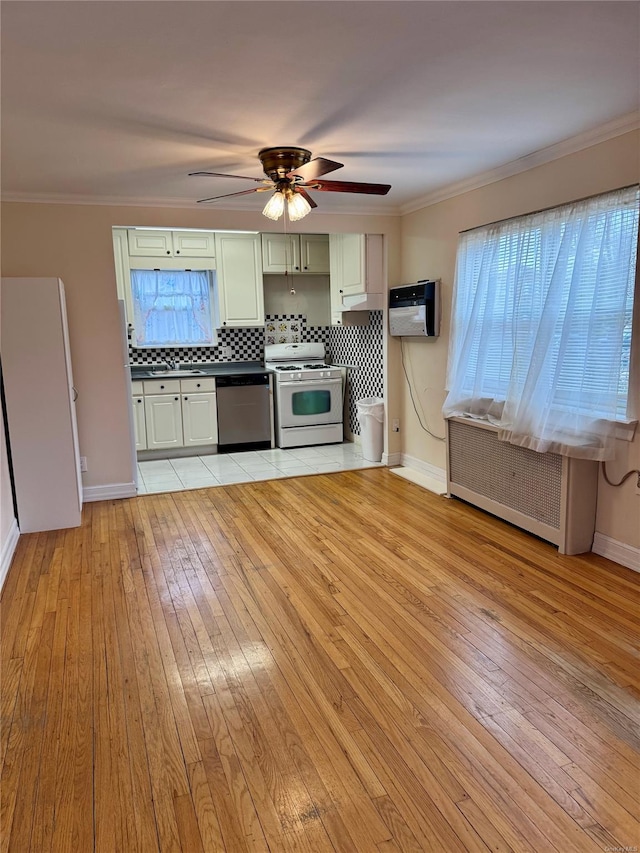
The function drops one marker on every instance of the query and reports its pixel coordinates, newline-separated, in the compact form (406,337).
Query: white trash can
(371,419)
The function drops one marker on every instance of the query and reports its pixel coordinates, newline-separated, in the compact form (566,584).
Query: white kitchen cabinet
(335,261)
(239,274)
(163,419)
(139,423)
(280,253)
(155,244)
(299,253)
(358,261)
(314,253)
(199,419)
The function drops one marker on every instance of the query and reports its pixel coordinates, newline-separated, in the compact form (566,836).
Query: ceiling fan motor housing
(278,162)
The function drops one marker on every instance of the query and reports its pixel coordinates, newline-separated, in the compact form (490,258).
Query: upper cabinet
(172,244)
(356,263)
(356,270)
(240,292)
(300,253)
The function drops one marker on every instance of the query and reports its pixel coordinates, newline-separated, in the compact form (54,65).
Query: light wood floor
(341,662)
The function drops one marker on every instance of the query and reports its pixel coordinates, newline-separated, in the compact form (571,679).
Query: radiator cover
(547,494)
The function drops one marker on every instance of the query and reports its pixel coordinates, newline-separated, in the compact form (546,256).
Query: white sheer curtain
(172,308)
(541,325)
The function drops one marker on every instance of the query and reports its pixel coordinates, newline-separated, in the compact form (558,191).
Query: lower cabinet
(199,419)
(163,418)
(175,413)
(139,424)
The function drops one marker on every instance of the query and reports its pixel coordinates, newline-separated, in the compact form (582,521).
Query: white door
(239,273)
(280,253)
(151,244)
(314,253)
(163,419)
(194,244)
(199,419)
(139,425)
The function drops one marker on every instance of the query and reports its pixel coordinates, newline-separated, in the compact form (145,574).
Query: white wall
(428,250)
(74,242)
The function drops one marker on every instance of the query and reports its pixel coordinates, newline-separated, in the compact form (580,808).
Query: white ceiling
(120,100)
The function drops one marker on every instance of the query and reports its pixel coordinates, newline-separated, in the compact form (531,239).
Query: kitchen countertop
(237,368)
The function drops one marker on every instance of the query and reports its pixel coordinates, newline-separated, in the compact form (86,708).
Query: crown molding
(114,201)
(616,127)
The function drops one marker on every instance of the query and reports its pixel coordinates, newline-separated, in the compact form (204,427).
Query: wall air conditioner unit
(549,495)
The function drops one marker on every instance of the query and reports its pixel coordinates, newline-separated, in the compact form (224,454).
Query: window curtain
(541,325)
(172,307)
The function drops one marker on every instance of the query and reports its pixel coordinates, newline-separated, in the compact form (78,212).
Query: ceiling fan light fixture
(297,207)
(274,208)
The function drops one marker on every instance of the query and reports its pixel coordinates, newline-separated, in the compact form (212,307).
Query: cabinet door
(314,253)
(239,265)
(353,264)
(194,244)
(280,253)
(335,278)
(163,419)
(139,425)
(199,419)
(151,244)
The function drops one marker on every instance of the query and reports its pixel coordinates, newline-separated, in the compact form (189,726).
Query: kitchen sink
(178,372)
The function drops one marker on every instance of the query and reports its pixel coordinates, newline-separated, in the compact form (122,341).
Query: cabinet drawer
(161,386)
(191,386)
(136,387)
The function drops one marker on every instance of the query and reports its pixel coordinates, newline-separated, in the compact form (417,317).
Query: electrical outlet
(83,464)
(226,352)
(395,425)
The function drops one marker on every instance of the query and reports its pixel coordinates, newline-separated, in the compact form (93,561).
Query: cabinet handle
(176,398)
(162,387)
(177,251)
(138,401)
(306,268)
(168,252)
(198,385)
(186,398)
(75,393)
(296,268)
(341,291)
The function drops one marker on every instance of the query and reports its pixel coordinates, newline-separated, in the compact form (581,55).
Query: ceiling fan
(291,172)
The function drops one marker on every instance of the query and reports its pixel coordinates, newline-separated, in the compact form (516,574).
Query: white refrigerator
(40,403)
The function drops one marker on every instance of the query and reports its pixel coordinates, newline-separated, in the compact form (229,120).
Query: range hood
(362,302)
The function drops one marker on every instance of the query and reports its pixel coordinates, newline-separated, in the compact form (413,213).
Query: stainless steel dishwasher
(245,410)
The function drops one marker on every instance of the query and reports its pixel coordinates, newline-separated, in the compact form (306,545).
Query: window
(541,325)
(173,308)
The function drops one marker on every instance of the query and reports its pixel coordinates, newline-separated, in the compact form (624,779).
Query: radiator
(549,495)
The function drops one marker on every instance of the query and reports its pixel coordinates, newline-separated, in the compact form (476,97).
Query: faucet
(171,363)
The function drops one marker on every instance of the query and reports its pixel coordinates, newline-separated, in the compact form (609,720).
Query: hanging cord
(415,409)
(623,480)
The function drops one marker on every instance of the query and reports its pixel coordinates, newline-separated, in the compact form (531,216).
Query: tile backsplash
(359,347)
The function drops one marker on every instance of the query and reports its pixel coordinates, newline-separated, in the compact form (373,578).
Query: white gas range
(309,398)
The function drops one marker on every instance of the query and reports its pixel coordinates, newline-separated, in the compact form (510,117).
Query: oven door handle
(309,383)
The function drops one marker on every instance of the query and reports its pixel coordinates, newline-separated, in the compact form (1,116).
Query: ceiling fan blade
(228,195)
(348,187)
(222,175)
(315,168)
(305,195)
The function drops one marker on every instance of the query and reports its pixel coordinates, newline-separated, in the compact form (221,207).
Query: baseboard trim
(391,459)
(8,550)
(110,491)
(425,468)
(619,552)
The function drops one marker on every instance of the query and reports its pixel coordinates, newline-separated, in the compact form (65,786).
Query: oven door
(309,402)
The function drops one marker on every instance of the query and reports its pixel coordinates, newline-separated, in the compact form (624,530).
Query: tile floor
(197,472)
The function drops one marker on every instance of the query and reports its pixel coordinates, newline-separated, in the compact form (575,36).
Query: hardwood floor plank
(339,662)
